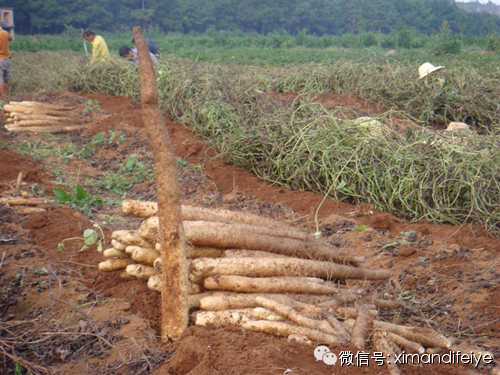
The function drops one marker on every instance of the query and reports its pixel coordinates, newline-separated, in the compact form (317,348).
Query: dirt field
(60,315)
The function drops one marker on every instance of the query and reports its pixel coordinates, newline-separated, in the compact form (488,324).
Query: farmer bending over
(153,48)
(100,52)
(131,54)
(5,65)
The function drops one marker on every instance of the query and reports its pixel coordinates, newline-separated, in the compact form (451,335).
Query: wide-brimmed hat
(427,68)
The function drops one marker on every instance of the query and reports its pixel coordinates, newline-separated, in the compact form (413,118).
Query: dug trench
(60,315)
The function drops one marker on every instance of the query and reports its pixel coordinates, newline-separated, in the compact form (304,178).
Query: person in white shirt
(131,54)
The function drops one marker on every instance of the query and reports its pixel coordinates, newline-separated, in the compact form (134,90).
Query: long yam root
(269,267)
(284,285)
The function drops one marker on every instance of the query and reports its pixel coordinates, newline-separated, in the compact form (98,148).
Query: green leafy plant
(128,173)
(80,200)
(91,105)
(18,370)
(90,237)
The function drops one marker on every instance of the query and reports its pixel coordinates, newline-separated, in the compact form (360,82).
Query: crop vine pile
(417,174)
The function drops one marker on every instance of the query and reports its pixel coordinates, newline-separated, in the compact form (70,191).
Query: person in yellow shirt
(100,52)
(5,65)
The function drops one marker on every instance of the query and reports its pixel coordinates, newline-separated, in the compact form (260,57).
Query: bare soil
(60,315)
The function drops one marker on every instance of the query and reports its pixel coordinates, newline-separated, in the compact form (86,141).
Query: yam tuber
(269,267)
(141,271)
(131,237)
(409,346)
(192,213)
(144,255)
(287,329)
(154,283)
(424,336)
(222,318)
(45,129)
(294,316)
(115,264)
(284,285)
(382,344)
(242,236)
(260,313)
(113,253)
(242,253)
(118,245)
(299,339)
(17,201)
(361,328)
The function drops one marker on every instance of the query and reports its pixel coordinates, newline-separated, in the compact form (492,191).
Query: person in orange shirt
(5,65)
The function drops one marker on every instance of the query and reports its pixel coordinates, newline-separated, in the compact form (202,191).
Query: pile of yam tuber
(262,275)
(42,117)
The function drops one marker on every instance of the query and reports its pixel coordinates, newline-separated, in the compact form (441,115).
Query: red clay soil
(447,275)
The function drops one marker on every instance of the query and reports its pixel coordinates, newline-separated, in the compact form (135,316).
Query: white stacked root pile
(42,118)
(253,272)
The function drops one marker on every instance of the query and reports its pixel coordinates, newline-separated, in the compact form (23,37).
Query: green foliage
(403,39)
(493,42)
(318,17)
(90,237)
(68,151)
(132,171)
(80,199)
(18,370)
(91,106)
(446,43)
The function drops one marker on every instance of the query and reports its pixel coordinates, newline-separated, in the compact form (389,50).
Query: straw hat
(427,68)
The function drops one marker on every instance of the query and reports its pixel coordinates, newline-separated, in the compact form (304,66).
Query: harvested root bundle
(42,117)
(242,236)
(294,316)
(199,252)
(216,301)
(24,210)
(115,264)
(269,267)
(204,252)
(43,122)
(424,336)
(241,253)
(268,285)
(287,329)
(339,328)
(131,237)
(40,105)
(45,129)
(155,283)
(260,313)
(17,201)
(192,213)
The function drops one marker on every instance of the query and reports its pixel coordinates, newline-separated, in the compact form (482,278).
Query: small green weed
(80,200)
(131,171)
(116,139)
(18,370)
(38,190)
(360,228)
(91,105)
(110,220)
(90,237)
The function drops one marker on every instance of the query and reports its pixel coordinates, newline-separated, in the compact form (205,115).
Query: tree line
(315,17)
